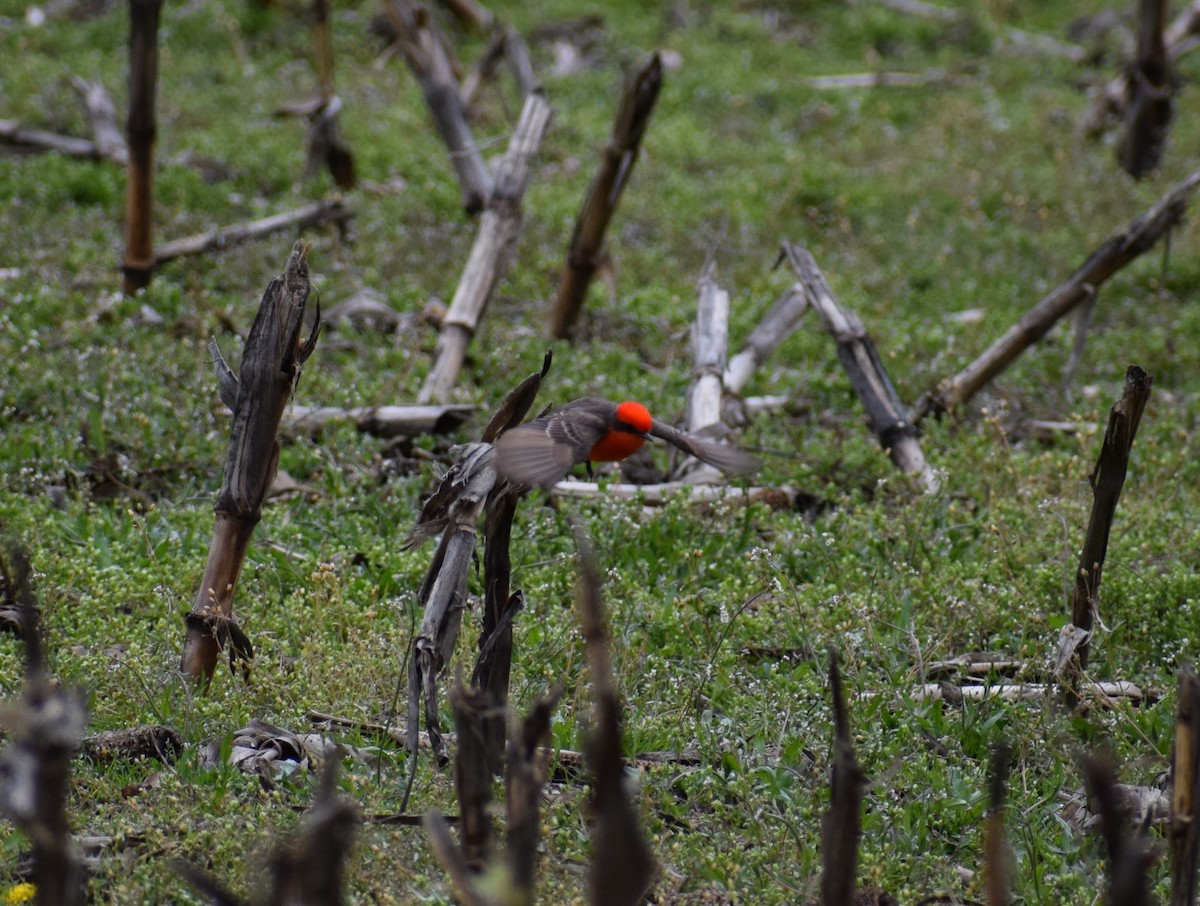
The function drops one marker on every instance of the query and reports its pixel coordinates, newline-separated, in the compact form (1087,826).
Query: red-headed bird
(540,452)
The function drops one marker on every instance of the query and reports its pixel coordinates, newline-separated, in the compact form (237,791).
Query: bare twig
(1139,237)
(102,114)
(841,823)
(380,421)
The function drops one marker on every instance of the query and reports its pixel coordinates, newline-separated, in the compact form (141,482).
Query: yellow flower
(21,893)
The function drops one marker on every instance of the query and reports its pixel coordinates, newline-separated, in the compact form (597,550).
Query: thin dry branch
(328,210)
(102,115)
(616,165)
(995,851)
(270,369)
(885,413)
(379,421)
(1106,480)
(783,498)
(776,326)
(491,254)
(1139,237)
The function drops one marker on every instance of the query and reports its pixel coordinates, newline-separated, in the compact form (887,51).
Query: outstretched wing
(540,452)
(724,457)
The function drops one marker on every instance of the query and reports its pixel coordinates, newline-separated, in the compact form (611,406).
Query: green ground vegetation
(974,193)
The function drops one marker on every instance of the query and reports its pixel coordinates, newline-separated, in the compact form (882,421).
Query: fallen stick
(379,421)
(329,210)
(616,165)
(491,254)
(882,80)
(885,413)
(102,115)
(995,851)
(141,132)
(520,64)
(430,64)
(1106,480)
(1041,43)
(1184,832)
(271,362)
(14,134)
(1137,238)
(1106,693)
(657,494)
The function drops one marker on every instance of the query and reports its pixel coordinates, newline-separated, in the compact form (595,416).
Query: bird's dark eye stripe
(626,427)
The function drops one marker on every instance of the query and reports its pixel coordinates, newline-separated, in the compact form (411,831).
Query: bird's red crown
(634,414)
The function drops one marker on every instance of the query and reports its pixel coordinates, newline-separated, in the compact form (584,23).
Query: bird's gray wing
(527,455)
(724,457)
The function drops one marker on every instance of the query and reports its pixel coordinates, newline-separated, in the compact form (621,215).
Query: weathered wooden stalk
(841,822)
(1106,480)
(430,64)
(1184,832)
(616,166)
(776,326)
(141,133)
(886,415)
(995,850)
(1137,238)
(1151,89)
(1128,857)
(472,774)
(271,362)
(491,254)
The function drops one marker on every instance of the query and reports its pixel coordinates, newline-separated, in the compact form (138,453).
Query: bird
(540,452)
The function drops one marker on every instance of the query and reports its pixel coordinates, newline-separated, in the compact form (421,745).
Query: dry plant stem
(323,39)
(1139,237)
(141,132)
(448,854)
(776,326)
(520,64)
(484,69)
(1112,101)
(885,413)
(491,254)
(616,166)
(840,824)
(710,344)
(1184,833)
(472,774)
(1128,858)
(494,665)
(330,210)
(430,64)
(1151,87)
(102,114)
(525,778)
(622,868)
(271,362)
(13,133)
(1106,480)
(44,729)
(443,593)
(471,13)
(657,494)
(1107,694)
(379,421)
(994,849)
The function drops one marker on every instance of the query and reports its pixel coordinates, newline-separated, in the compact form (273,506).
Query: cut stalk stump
(1107,480)
(271,362)
(1184,834)
(141,132)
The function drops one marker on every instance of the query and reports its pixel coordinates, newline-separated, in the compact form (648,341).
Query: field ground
(938,213)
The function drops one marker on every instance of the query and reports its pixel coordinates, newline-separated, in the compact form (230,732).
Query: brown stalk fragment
(525,778)
(471,13)
(1184,833)
(840,825)
(271,362)
(1151,89)
(622,868)
(472,774)
(141,133)
(325,142)
(430,63)
(492,253)
(1139,237)
(102,114)
(1107,479)
(616,166)
(886,415)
